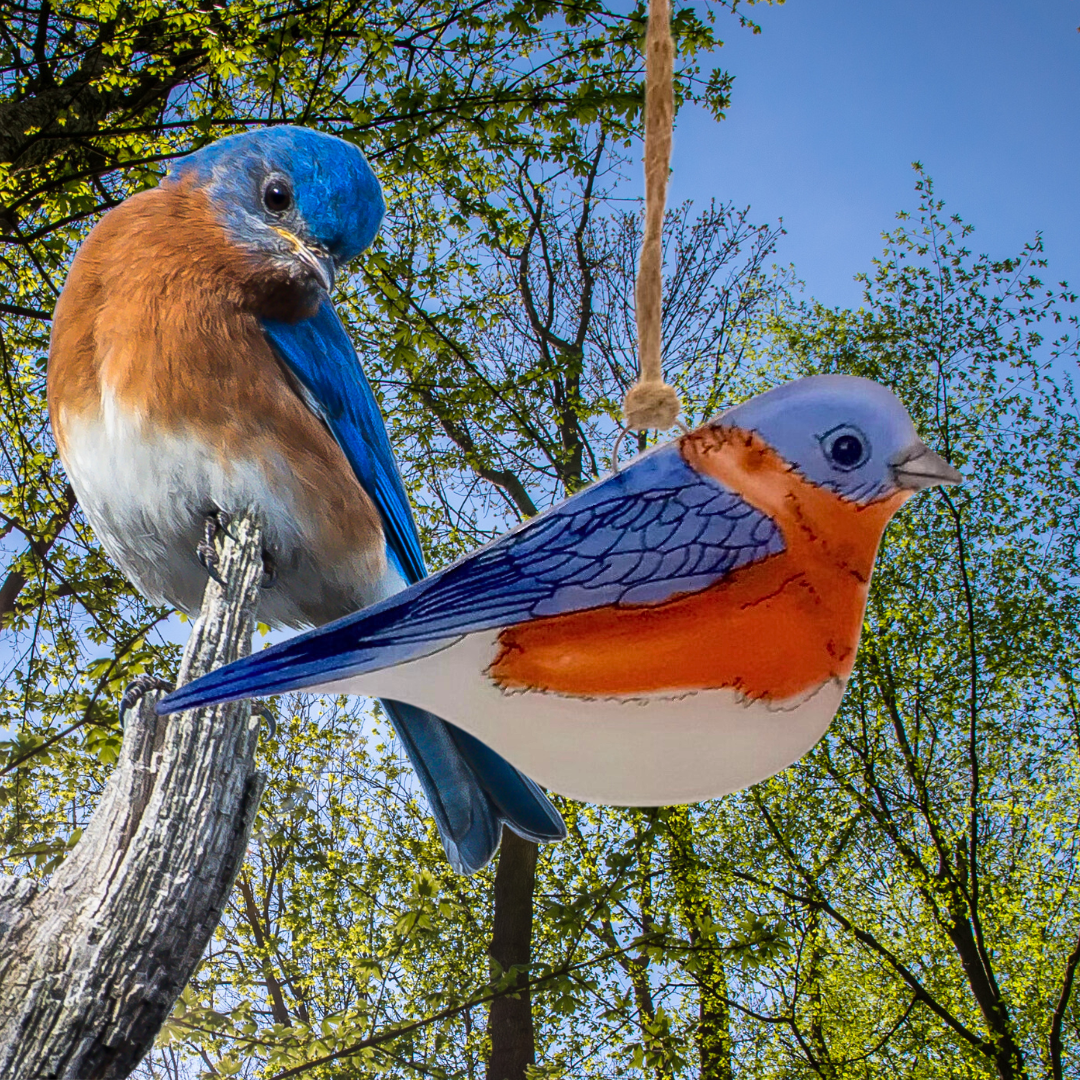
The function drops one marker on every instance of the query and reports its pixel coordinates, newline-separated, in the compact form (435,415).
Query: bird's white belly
(647,751)
(147,494)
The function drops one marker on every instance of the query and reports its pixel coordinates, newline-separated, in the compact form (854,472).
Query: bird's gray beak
(918,467)
(319,262)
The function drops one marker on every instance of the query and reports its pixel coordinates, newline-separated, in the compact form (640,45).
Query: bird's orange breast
(772,630)
(160,316)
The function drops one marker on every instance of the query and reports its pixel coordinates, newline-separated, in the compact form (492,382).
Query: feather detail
(156,352)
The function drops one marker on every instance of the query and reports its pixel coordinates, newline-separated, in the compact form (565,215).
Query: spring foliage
(901,902)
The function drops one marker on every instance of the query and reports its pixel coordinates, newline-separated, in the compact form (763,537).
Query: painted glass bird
(678,630)
(197,367)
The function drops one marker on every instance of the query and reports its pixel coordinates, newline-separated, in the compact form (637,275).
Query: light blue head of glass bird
(849,435)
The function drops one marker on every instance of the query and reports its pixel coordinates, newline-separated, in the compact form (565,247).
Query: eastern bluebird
(681,629)
(197,367)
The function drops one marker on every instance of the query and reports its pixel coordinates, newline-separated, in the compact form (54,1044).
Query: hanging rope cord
(651,402)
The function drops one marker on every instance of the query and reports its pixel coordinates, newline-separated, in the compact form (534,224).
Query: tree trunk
(714,1013)
(510,1024)
(91,964)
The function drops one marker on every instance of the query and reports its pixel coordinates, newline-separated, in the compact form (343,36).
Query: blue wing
(470,789)
(321,356)
(649,533)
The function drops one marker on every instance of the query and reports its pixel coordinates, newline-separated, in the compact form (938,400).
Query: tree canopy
(900,902)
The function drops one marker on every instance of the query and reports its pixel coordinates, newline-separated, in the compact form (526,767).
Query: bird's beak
(319,262)
(919,467)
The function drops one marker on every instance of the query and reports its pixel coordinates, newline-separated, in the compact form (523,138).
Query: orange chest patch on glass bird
(774,630)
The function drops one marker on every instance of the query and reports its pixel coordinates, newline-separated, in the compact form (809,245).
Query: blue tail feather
(519,800)
(470,789)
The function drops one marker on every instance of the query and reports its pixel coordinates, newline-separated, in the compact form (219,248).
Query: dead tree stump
(91,965)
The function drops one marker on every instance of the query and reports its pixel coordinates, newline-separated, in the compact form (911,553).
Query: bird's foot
(137,688)
(214,522)
(259,708)
(269,574)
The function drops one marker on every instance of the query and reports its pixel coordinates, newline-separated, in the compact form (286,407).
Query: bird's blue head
(306,201)
(846,434)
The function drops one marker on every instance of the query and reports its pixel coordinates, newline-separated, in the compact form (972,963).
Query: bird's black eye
(846,448)
(277,196)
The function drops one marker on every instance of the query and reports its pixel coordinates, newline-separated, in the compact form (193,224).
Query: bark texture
(510,1023)
(91,964)
(713,1035)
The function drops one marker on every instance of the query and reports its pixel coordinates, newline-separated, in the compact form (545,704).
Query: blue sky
(835,99)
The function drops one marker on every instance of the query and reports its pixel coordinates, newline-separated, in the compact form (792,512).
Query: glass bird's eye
(277,197)
(846,448)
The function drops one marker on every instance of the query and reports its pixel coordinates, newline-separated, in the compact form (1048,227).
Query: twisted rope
(651,402)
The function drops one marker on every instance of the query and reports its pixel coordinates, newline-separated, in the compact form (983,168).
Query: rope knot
(651,405)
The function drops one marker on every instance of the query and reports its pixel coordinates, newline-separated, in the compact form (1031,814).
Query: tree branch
(91,964)
(1059,1013)
(39,546)
(25,312)
(273,987)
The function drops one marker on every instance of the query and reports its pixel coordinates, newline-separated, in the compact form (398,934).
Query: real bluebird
(678,630)
(197,367)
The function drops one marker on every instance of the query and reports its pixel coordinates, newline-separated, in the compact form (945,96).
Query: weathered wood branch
(91,964)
